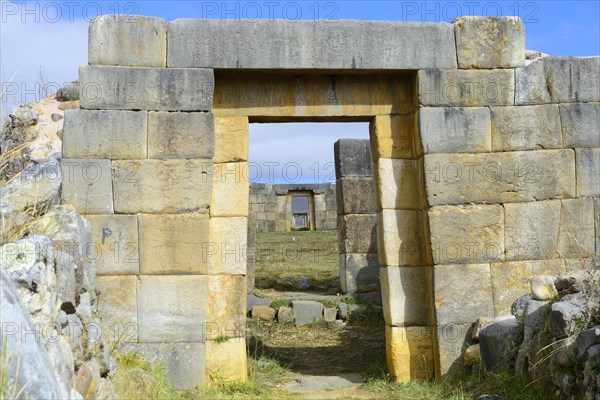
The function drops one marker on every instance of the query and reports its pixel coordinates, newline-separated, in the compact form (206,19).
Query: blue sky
(47,41)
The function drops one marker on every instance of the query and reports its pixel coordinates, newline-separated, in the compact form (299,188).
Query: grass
(283,258)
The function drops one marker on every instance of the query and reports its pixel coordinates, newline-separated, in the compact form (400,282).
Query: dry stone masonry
(485,166)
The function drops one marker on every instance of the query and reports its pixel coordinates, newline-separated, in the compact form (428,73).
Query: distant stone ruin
(485,165)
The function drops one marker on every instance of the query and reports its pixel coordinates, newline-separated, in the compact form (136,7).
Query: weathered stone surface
(339,45)
(183,362)
(393,136)
(231,139)
(226,306)
(467,234)
(127,40)
(479,324)
(316,96)
(409,353)
(472,354)
(566,315)
(11,221)
(580,126)
(499,177)
(34,187)
(398,183)
(407,293)
(358,233)
(285,315)
(352,158)
(534,319)
(230,191)
(87,185)
(512,279)
(576,237)
(172,308)
(306,311)
(115,244)
(263,313)
(343,310)
(458,88)
(180,135)
(359,272)
(531,230)
(105,134)
(455,129)
(161,186)
(526,128)
(588,178)
(356,196)
(490,42)
(131,88)
(558,80)
(463,293)
(173,244)
(499,342)
(227,361)
(227,246)
(587,339)
(597,223)
(542,287)
(399,238)
(453,340)
(117,308)
(329,314)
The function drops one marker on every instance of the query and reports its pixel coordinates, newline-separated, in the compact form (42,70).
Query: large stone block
(227,247)
(226,361)
(337,45)
(580,126)
(357,233)
(127,40)
(510,280)
(532,230)
(183,362)
(227,296)
(172,308)
(117,307)
(324,97)
(490,42)
(467,234)
(231,139)
(359,272)
(352,158)
(463,293)
(576,238)
(526,128)
(597,223)
(130,88)
(406,295)
(180,135)
(409,352)
(466,88)
(400,238)
(173,244)
(452,341)
(399,183)
(455,129)
(162,186)
(393,136)
(230,191)
(558,80)
(356,196)
(104,134)
(499,177)
(115,244)
(87,185)
(588,178)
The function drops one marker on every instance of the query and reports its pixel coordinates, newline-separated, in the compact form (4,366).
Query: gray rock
(35,187)
(254,300)
(519,305)
(336,45)
(542,287)
(499,342)
(162,89)
(285,315)
(306,311)
(536,314)
(25,116)
(56,117)
(586,339)
(324,383)
(353,158)
(343,310)
(330,314)
(69,92)
(303,283)
(565,315)
(11,220)
(73,334)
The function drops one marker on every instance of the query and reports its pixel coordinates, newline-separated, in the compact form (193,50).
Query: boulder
(499,342)
(306,311)
(254,300)
(566,314)
(36,187)
(285,314)
(69,92)
(586,339)
(472,354)
(11,220)
(536,314)
(330,313)
(542,287)
(518,307)
(263,313)
(343,310)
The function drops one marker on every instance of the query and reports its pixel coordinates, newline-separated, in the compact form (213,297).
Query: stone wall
(485,170)
(272,206)
(357,216)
